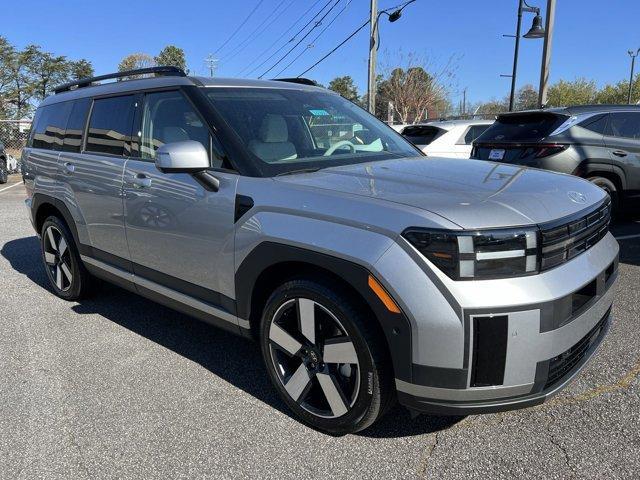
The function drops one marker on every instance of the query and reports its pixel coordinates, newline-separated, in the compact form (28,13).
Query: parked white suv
(451,138)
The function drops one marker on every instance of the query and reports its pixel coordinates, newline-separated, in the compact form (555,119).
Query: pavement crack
(422,470)
(567,459)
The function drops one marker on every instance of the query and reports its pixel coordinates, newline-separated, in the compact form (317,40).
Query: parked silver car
(282,212)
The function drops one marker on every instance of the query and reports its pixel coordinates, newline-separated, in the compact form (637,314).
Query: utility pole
(633,64)
(464,101)
(212,63)
(373,48)
(546,54)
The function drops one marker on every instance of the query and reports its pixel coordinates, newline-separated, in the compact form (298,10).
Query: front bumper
(484,346)
(471,401)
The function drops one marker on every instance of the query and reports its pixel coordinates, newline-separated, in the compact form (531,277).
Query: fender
(396,327)
(39,199)
(587,167)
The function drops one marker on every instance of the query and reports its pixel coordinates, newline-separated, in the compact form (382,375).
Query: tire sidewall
(368,394)
(4,173)
(609,187)
(76,285)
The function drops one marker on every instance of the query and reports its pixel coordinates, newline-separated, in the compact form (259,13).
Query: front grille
(561,243)
(565,362)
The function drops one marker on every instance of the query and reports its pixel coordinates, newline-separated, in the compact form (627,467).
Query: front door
(180,235)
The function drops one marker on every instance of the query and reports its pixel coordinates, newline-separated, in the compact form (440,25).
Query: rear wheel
(324,358)
(67,275)
(609,187)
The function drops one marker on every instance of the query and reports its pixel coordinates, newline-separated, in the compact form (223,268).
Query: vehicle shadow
(232,358)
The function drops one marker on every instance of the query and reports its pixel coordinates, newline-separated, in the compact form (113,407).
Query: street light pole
(373,49)
(536,31)
(633,63)
(546,54)
(515,58)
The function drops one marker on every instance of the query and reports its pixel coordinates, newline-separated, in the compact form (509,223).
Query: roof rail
(86,82)
(301,81)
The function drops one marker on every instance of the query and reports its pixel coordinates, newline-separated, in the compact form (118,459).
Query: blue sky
(591,39)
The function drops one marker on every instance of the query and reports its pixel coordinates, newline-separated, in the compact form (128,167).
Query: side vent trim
(243,205)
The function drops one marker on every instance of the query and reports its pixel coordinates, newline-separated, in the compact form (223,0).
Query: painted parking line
(628,237)
(10,186)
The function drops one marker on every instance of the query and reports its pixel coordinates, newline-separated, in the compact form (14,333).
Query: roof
(455,123)
(579,109)
(170,81)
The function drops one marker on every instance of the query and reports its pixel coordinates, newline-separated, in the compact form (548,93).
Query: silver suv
(366,271)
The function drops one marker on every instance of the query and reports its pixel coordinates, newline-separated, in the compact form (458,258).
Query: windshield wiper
(300,170)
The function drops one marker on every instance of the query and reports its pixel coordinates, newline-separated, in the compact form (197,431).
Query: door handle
(141,181)
(69,168)
(619,153)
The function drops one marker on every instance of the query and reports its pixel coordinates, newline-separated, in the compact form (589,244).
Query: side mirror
(182,157)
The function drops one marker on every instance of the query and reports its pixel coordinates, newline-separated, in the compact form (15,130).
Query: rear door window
(624,125)
(529,127)
(49,127)
(75,125)
(110,126)
(422,134)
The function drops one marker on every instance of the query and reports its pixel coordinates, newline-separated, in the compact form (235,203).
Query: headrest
(274,129)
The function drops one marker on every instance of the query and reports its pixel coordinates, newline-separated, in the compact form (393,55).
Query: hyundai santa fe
(367,272)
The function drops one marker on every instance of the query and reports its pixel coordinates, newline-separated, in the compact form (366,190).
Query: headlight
(468,255)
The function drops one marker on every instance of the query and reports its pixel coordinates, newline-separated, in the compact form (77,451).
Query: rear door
(180,234)
(623,141)
(92,175)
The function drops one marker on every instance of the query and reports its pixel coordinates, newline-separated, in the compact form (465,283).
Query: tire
(609,187)
(4,174)
(68,277)
(335,377)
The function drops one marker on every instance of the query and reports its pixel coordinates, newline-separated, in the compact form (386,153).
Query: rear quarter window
(49,126)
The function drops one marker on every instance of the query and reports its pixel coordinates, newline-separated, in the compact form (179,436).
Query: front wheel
(325,357)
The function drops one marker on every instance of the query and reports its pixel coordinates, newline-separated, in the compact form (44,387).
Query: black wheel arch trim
(396,327)
(40,199)
(588,167)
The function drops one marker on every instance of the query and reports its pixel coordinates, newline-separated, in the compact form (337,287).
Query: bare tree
(415,86)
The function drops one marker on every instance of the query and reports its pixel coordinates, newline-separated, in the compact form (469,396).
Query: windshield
(287,130)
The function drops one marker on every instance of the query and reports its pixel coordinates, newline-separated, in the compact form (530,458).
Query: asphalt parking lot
(118,386)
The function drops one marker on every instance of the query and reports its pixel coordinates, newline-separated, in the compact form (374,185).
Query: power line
(253,35)
(318,23)
(239,27)
(315,39)
(280,38)
(336,47)
(351,36)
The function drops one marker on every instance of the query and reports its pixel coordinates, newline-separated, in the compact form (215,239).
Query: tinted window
(75,125)
(527,127)
(597,123)
(624,124)
(169,117)
(110,126)
(474,132)
(422,134)
(49,126)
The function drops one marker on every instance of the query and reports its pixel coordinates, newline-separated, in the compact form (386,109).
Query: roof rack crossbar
(300,80)
(85,82)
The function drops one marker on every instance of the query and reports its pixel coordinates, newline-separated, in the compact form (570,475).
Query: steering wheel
(340,144)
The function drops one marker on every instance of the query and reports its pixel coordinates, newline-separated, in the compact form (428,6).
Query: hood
(470,193)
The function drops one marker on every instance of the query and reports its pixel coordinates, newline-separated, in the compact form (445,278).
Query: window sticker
(318,112)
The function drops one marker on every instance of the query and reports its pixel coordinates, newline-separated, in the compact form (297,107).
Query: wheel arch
(43,206)
(608,171)
(270,264)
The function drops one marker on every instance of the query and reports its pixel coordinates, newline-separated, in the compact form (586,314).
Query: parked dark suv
(598,142)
